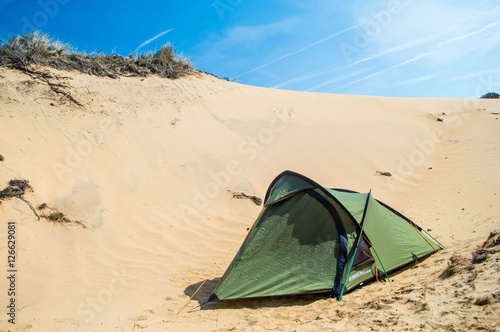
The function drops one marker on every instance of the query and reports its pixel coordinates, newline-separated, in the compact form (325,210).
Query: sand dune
(149,167)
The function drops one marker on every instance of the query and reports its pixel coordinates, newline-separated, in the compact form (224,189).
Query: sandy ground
(149,167)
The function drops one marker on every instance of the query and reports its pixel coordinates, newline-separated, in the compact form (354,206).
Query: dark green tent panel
(304,240)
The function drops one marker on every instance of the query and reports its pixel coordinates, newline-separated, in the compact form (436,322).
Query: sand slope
(150,165)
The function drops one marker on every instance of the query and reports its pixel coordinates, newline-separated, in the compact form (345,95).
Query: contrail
(432,51)
(400,47)
(315,43)
(302,49)
(152,39)
(305,77)
(418,57)
(491,25)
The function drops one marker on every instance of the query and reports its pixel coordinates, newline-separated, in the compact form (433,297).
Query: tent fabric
(304,240)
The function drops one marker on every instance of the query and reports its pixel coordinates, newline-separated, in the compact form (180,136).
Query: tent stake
(211,273)
(381,264)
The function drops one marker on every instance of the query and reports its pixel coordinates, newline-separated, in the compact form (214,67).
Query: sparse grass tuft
(39,49)
(42,206)
(484,300)
(56,217)
(166,54)
(165,62)
(59,217)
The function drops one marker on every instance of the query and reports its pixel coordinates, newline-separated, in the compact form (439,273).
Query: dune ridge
(150,167)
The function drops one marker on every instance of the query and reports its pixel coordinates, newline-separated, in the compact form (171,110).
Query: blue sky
(402,48)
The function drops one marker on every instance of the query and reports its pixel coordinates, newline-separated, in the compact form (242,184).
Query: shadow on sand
(204,293)
(254,303)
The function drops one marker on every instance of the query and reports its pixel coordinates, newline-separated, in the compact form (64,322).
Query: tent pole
(357,242)
(434,239)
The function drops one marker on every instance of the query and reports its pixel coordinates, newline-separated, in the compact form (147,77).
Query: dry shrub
(16,188)
(483,300)
(456,265)
(33,48)
(493,240)
(39,49)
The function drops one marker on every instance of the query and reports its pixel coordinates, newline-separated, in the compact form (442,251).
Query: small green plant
(42,206)
(59,217)
(56,217)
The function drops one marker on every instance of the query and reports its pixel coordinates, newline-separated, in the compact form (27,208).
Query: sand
(149,167)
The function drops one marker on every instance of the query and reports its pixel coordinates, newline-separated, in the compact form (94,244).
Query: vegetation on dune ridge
(490,95)
(37,48)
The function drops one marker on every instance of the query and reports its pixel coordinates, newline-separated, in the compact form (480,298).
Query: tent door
(363,255)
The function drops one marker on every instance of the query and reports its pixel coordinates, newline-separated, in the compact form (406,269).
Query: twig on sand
(17,188)
(241,195)
(30,205)
(48,78)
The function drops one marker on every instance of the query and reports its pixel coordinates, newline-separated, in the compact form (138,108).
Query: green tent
(309,239)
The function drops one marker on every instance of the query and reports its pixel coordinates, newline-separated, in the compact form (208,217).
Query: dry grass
(20,52)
